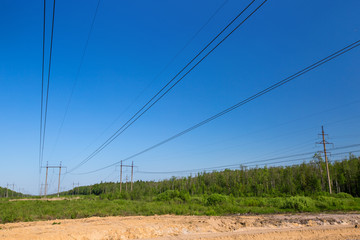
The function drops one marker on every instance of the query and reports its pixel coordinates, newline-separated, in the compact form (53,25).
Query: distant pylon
(323,142)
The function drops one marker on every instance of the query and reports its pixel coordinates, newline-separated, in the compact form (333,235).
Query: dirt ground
(300,226)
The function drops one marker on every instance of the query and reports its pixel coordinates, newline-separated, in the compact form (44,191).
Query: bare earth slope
(301,226)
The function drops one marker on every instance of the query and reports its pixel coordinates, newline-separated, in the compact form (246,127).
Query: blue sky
(131,43)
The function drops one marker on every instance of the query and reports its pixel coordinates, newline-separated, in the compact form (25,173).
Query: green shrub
(215,199)
(185,196)
(167,195)
(124,195)
(276,202)
(251,202)
(210,212)
(299,203)
(343,195)
(322,193)
(329,203)
(196,200)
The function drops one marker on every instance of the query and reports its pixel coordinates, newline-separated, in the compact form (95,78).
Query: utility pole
(47,169)
(323,142)
(59,180)
(132,175)
(121,165)
(7,190)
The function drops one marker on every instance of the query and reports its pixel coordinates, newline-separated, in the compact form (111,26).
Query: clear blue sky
(132,41)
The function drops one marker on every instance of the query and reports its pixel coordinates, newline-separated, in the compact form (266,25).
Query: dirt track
(321,226)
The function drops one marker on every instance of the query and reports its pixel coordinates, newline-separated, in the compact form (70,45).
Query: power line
(294,149)
(48,84)
(104,180)
(162,71)
(42,85)
(186,45)
(287,149)
(243,102)
(245,164)
(291,149)
(129,123)
(216,168)
(335,154)
(77,75)
(343,147)
(42,94)
(284,161)
(152,102)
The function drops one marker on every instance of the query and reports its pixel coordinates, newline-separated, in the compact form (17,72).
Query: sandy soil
(303,226)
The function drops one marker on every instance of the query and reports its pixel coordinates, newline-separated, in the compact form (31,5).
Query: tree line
(307,178)
(5,192)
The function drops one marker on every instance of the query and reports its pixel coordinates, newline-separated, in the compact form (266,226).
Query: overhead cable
(243,102)
(77,75)
(239,165)
(48,85)
(42,87)
(162,91)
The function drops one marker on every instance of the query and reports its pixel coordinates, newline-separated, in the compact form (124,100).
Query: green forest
(5,192)
(305,179)
(281,189)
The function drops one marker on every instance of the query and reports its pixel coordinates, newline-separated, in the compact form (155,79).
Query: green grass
(215,204)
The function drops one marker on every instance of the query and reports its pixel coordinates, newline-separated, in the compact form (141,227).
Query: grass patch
(175,203)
